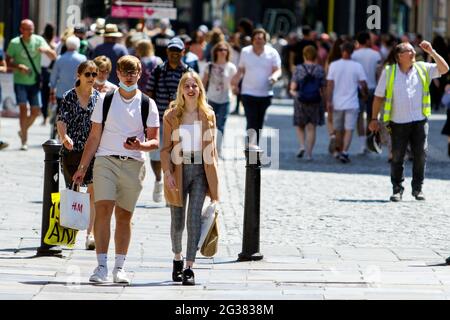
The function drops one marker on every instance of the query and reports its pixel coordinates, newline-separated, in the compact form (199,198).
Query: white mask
(99,82)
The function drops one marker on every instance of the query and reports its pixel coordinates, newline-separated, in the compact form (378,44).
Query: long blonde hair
(179,104)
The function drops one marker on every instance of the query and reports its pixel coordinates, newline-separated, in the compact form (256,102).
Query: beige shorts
(118,180)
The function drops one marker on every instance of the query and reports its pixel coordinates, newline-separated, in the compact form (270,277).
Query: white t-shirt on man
(369,59)
(346,75)
(124,120)
(258,69)
(219,82)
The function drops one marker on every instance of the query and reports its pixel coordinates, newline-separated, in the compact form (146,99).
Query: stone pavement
(327,229)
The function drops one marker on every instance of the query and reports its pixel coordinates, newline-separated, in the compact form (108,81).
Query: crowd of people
(121,93)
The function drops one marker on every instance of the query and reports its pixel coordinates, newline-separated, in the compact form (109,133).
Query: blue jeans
(28,93)
(221,110)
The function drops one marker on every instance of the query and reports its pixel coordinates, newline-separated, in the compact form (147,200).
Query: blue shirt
(113,51)
(64,72)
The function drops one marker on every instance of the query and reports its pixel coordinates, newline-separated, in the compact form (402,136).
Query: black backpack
(309,87)
(145,106)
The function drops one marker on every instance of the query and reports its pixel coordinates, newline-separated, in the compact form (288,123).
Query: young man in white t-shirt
(259,68)
(344,78)
(119,168)
(369,59)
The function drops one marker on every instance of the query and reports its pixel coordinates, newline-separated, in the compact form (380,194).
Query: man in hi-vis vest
(403,88)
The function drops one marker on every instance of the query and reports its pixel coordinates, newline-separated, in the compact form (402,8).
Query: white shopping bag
(74,209)
(207,220)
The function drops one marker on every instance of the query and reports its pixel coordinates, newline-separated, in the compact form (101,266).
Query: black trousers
(414,133)
(255,110)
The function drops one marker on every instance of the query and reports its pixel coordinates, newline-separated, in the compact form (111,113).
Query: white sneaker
(158,191)
(90,242)
(24,147)
(120,276)
(100,275)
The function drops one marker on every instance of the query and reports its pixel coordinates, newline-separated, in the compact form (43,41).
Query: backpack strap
(107,105)
(145,107)
(158,70)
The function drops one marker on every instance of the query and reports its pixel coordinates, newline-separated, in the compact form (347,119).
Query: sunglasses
(175,50)
(93,74)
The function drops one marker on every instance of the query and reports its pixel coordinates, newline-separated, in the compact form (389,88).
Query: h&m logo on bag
(77,207)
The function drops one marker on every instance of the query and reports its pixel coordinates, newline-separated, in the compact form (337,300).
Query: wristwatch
(82,168)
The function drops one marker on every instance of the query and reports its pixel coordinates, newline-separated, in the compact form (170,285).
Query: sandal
(177,272)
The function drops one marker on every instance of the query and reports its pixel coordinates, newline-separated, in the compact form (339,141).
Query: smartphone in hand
(130,140)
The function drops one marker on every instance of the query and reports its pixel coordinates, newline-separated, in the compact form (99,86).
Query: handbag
(75,209)
(209,237)
(37,74)
(57,235)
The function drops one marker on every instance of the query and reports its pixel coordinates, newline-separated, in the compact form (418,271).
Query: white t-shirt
(123,121)
(369,59)
(191,137)
(258,69)
(219,82)
(346,75)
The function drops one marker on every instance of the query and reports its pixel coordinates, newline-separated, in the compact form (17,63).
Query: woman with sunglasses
(73,125)
(217,82)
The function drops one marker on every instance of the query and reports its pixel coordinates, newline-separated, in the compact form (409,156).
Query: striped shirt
(166,89)
(408,93)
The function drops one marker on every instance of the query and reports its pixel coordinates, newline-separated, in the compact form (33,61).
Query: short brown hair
(129,63)
(309,53)
(258,31)
(144,48)
(103,63)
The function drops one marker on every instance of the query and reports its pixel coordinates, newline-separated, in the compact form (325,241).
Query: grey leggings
(196,185)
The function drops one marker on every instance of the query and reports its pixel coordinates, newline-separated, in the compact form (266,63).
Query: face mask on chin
(128,88)
(99,82)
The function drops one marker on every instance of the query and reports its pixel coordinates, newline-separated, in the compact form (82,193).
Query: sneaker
(158,191)
(188,277)
(447,261)
(397,196)
(344,158)
(90,242)
(120,276)
(418,195)
(24,147)
(100,275)
(300,153)
(3,145)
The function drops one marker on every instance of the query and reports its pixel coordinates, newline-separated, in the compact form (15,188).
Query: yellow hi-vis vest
(390,77)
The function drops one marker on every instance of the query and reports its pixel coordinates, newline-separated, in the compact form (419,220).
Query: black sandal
(188,277)
(177,272)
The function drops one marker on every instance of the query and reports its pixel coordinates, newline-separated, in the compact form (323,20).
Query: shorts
(118,180)
(345,119)
(155,155)
(366,106)
(28,93)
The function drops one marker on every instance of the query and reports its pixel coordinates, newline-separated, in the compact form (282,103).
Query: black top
(77,119)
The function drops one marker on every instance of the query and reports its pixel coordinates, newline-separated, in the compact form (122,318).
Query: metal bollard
(51,185)
(250,241)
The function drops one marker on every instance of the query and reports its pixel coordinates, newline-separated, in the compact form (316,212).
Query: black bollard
(51,185)
(250,239)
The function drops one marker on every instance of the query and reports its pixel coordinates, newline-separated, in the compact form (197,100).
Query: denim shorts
(28,93)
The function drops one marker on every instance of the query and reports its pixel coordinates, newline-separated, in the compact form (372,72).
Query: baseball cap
(176,43)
